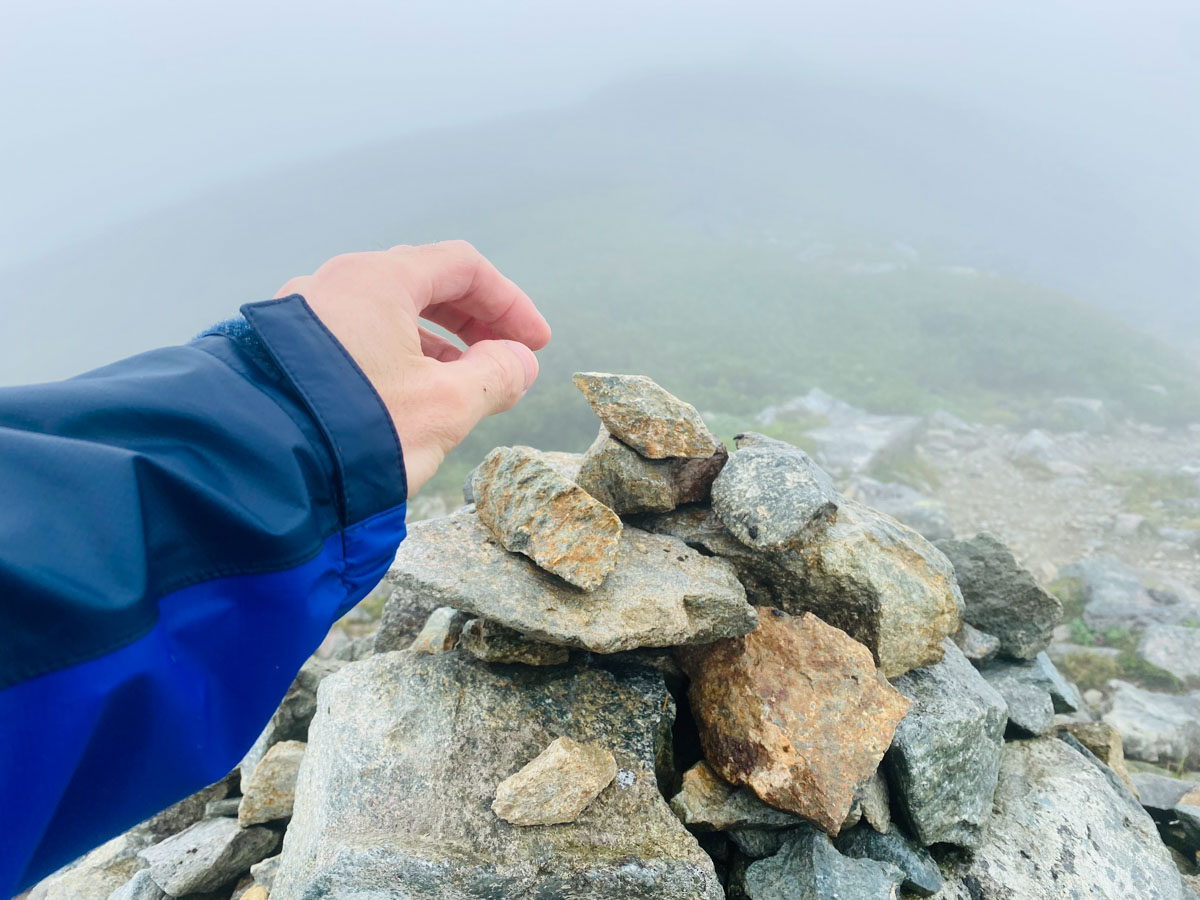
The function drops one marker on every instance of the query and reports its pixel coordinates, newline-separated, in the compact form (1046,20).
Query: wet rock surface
(639,413)
(1002,598)
(401,772)
(795,710)
(662,592)
(945,758)
(532,509)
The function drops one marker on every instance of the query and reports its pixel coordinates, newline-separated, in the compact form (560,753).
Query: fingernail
(528,360)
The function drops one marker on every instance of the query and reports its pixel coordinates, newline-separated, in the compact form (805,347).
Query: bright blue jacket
(177,533)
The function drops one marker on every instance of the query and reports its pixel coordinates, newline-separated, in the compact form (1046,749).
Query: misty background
(914,206)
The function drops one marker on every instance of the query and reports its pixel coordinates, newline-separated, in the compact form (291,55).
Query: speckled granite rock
(945,758)
(532,509)
(809,868)
(880,582)
(401,771)
(1001,597)
(706,801)
(1030,709)
(626,482)
(557,785)
(441,632)
(773,497)
(564,463)
(639,413)
(795,710)
(1061,830)
(921,874)
(269,794)
(662,593)
(211,853)
(492,642)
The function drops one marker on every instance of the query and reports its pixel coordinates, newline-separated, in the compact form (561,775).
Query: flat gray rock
(532,509)
(404,758)
(1160,794)
(210,854)
(945,757)
(652,421)
(661,593)
(921,874)
(1157,728)
(1119,596)
(1175,648)
(1030,709)
(1060,830)
(626,482)
(1039,672)
(809,868)
(771,497)
(98,873)
(865,573)
(1001,597)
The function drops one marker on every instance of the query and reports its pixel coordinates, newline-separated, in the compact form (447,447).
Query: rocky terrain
(661,669)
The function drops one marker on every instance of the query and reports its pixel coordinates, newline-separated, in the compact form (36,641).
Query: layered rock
(402,766)
(627,482)
(639,413)
(945,758)
(795,710)
(532,509)
(1060,830)
(1002,598)
(662,593)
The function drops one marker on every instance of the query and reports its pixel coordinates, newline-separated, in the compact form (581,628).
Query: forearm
(177,533)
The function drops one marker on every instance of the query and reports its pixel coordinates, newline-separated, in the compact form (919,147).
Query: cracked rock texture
(796,711)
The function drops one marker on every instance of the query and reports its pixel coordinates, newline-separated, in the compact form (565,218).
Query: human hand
(436,393)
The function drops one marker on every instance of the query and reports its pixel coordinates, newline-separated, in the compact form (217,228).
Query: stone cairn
(660,670)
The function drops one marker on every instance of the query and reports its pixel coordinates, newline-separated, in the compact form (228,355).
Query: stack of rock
(660,670)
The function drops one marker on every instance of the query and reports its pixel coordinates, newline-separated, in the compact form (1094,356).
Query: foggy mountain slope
(641,190)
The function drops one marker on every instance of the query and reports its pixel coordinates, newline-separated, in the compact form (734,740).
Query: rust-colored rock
(795,710)
(1105,741)
(532,509)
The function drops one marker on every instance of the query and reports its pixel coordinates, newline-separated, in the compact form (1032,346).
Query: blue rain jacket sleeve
(177,533)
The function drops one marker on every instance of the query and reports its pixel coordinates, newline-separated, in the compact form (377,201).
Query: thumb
(490,377)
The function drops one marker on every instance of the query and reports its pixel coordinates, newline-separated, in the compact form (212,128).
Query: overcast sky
(115,108)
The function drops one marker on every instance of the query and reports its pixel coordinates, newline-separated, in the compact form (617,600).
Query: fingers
(489,378)
(456,287)
(437,347)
